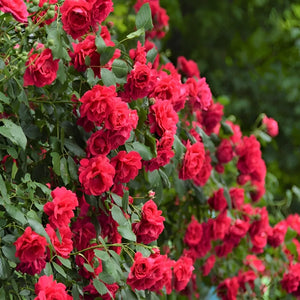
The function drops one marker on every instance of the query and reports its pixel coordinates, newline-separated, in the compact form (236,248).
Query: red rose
(100,11)
(224,249)
(64,246)
(204,246)
(99,143)
(271,125)
(237,134)
(188,67)
(277,234)
(193,160)
(203,175)
(220,225)
(127,166)
(254,263)
(246,277)
(182,269)
(93,293)
(47,288)
(208,265)
(140,82)
(97,103)
(16,7)
(162,118)
(193,234)
(96,175)
(228,289)
(76,17)
(41,68)
(31,250)
(224,152)
(237,196)
(140,273)
(211,118)
(218,200)
(237,231)
(60,210)
(83,231)
(30,246)
(151,224)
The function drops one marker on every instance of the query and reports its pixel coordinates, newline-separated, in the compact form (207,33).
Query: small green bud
(50,14)
(45,5)
(35,2)
(50,42)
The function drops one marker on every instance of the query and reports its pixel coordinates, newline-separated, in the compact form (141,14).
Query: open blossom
(96,175)
(193,160)
(60,210)
(151,224)
(16,7)
(183,269)
(218,200)
(31,250)
(41,68)
(188,67)
(47,288)
(228,289)
(127,166)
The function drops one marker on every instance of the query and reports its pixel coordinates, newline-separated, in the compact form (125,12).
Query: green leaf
(107,278)
(15,213)
(65,262)
(100,44)
(117,199)
(151,55)
(145,251)
(106,55)
(91,78)
(144,18)
(179,148)
(290,234)
(136,33)
(125,200)
(119,68)
(73,169)
(126,232)
(4,268)
(142,149)
(108,77)
(118,215)
(64,171)
(38,228)
(3,189)
(206,140)
(89,268)
(59,269)
(100,286)
(265,137)
(14,133)
(165,179)
(48,269)
(4,99)
(61,73)
(74,148)
(9,252)
(103,255)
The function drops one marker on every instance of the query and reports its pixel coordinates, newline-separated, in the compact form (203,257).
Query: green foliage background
(249,52)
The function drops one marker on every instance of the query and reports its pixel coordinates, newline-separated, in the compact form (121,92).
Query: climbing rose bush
(121,176)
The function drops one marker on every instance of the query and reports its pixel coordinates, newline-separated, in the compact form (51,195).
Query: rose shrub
(121,177)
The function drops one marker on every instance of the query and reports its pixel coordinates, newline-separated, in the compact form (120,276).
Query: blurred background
(249,51)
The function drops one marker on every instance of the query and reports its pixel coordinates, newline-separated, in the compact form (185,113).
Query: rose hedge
(120,176)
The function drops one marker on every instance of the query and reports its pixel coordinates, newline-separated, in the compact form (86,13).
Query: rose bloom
(220,225)
(76,17)
(183,269)
(254,263)
(224,152)
(30,246)
(218,200)
(208,265)
(47,288)
(97,103)
(228,289)
(99,143)
(127,166)
(276,234)
(64,247)
(193,160)
(16,7)
(237,196)
(151,224)
(60,210)
(193,234)
(188,67)
(162,118)
(140,82)
(41,68)
(271,126)
(93,293)
(203,175)
(96,175)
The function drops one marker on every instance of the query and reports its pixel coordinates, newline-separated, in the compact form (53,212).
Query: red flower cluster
(41,68)
(151,224)
(17,8)
(79,15)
